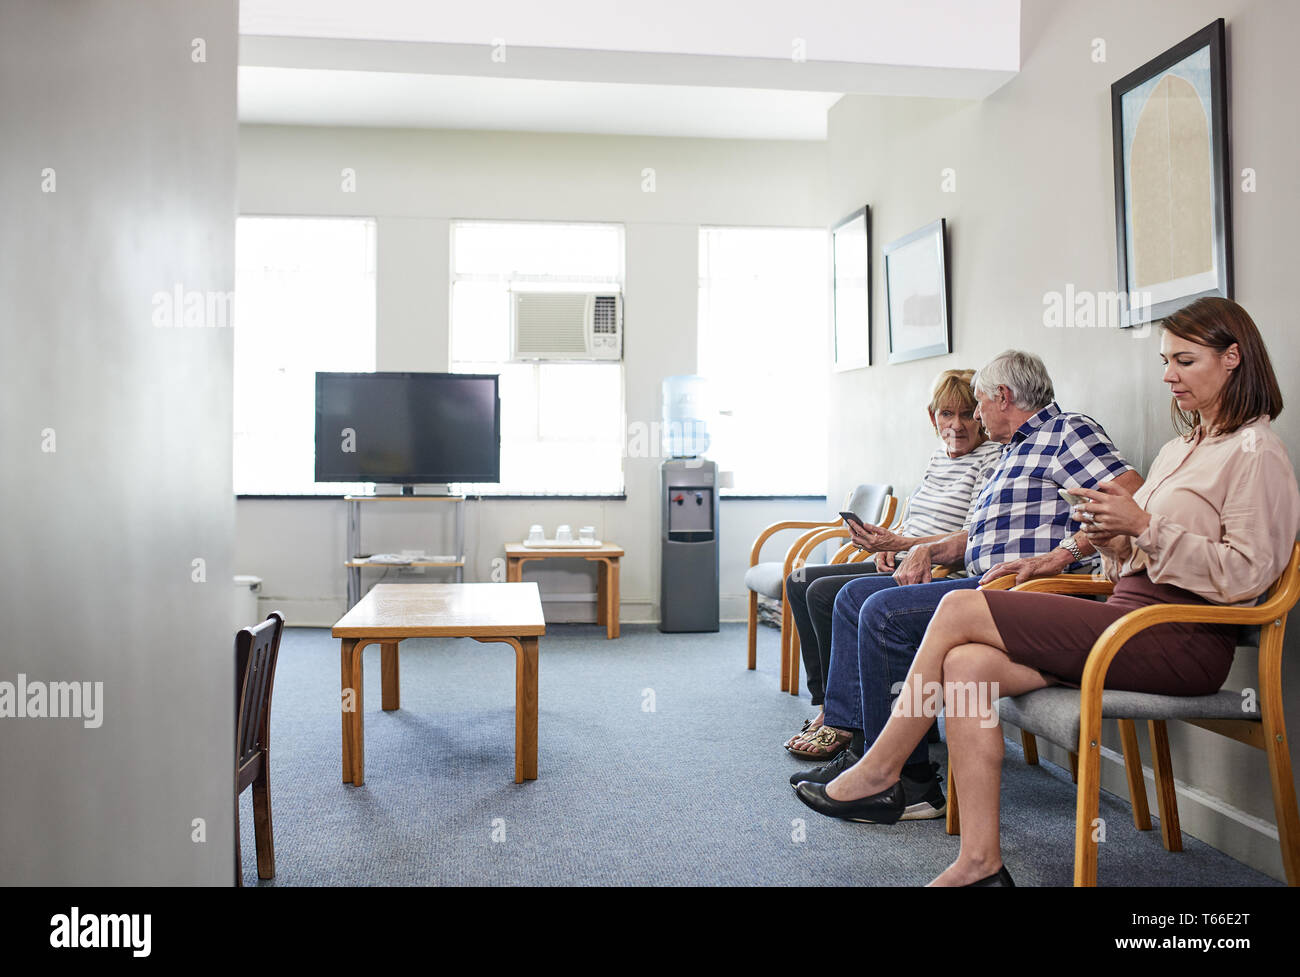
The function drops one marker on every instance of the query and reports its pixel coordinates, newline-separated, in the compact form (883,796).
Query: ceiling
(733,69)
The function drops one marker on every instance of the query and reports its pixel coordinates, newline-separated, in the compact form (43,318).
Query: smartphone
(853,518)
(1073,499)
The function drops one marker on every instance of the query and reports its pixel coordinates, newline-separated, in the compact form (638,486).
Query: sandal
(823,744)
(805,731)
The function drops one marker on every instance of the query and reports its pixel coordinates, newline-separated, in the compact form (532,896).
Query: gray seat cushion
(765,579)
(1054,713)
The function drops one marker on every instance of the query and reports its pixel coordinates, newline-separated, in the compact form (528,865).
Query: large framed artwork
(1173,224)
(916,293)
(851,299)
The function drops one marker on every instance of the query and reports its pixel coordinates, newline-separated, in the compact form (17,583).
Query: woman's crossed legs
(962,654)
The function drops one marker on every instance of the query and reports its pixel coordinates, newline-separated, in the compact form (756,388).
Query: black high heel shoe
(1000,879)
(883,808)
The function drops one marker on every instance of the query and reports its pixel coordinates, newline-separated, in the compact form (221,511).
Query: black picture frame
(846,353)
(908,340)
(1168,295)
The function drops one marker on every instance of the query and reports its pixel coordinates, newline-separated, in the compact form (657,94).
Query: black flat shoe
(883,808)
(1000,879)
(827,771)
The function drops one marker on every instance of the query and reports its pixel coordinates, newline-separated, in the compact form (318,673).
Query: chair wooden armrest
(1062,583)
(1001,583)
(844,552)
(776,527)
(891,509)
(797,555)
(1066,583)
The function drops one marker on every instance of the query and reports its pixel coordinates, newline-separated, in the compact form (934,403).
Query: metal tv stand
(354,561)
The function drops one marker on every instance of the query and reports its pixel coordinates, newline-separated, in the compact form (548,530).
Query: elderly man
(1018,524)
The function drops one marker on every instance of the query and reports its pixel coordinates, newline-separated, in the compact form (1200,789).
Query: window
(561,423)
(763,346)
(305,301)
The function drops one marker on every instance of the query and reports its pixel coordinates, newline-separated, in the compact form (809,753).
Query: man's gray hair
(1023,374)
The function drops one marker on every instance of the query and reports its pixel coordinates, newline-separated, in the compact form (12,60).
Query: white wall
(415,183)
(100,533)
(1033,211)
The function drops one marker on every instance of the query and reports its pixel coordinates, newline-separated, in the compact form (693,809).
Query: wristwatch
(1073,547)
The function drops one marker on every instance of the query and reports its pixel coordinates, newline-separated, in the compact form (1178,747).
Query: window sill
(475,498)
(772,498)
(549,498)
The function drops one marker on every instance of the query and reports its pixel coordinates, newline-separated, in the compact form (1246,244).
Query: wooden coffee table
(510,613)
(606,555)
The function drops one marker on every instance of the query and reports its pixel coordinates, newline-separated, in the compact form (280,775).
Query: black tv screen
(407,428)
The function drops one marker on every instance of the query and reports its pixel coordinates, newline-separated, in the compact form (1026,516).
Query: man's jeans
(875,633)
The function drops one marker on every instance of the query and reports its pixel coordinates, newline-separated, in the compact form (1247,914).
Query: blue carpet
(693,791)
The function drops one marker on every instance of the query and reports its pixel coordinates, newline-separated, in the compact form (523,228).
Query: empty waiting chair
(256,651)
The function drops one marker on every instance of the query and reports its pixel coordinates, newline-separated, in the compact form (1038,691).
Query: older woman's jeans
(811,592)
(876,630)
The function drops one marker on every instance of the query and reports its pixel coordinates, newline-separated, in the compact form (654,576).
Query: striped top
(948,489)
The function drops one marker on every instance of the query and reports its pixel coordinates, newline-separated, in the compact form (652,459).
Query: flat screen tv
(408,428)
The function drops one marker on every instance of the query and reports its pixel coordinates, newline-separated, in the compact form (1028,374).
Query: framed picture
(851,299)
(1172,198)
(916,292)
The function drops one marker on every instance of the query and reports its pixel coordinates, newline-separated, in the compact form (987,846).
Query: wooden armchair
(874,503)
(1072,717)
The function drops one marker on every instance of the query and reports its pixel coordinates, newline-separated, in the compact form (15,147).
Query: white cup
(535,534)
(564,534)
(587,534)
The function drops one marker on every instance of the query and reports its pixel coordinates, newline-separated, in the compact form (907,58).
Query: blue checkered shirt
(1020,513)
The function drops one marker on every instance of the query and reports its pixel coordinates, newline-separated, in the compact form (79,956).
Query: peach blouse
(1224,510)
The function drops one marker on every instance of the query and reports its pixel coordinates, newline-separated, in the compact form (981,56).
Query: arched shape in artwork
(1170,179)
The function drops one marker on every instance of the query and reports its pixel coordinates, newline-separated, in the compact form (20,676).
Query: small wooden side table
(390,613)
(606,556)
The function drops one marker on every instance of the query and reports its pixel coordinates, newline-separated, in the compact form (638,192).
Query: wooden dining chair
(1072,718)
(873,503)
(256,651)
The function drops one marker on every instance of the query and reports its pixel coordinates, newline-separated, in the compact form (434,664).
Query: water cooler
(688,583)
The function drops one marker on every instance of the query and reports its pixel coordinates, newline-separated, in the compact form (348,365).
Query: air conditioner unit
(566,325)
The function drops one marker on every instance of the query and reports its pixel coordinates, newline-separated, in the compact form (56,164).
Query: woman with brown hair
(1213,523)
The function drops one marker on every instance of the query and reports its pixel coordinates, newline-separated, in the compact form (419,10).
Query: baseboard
(1202,815)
